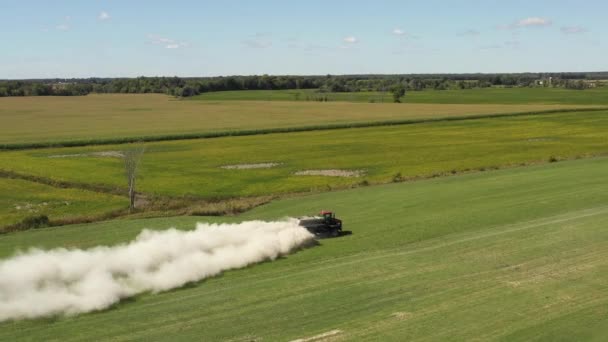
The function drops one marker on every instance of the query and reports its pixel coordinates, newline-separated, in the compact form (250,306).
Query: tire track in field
(485,290)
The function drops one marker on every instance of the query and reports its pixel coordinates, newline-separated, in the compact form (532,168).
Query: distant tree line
(43,88)
(185,87)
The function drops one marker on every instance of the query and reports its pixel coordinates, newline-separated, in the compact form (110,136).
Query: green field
(20,199)
(516,254)
(596,96)
(193,167)
(302,95)
(96,118)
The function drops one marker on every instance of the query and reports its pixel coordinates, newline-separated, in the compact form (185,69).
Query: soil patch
(540,139)
(111,154)
(321,337)
(250,166)
(36,207)
(331,173)
(402,315)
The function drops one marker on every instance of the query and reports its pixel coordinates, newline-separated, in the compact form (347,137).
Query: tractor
(326,225)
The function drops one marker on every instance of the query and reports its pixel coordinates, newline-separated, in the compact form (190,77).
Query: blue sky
(44,39)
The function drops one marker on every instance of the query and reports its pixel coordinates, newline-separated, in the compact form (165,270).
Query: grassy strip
(107,189)
(25,204)
(151,206)
(209,135)
(184,205)
(156,207)
(159,207)
(43,221)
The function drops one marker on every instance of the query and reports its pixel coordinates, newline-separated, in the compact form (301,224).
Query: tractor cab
(328,216)
(330,219)
(325,225)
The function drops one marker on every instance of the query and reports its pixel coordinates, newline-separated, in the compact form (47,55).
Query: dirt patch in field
(250,166)
(327,336)
(513,283)
(141,201)
(540,139)
(36,207)
(402,316)
(331,173)
(110,154)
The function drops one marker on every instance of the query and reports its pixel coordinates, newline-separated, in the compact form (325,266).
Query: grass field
(97,117)
(193,167)
(20,199)
(596,96)
(515,255)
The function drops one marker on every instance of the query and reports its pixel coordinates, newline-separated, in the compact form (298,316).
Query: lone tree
(398,92)
(132,157)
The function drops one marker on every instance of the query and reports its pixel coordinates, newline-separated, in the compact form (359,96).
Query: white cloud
(351,40)
(167,43)
(103,15)
(398,32)
(573,29)
(64,25)
(176,45)
(403,35)
(527,23)
(533,22)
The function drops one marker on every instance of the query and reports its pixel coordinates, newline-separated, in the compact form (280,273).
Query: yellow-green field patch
(376,155)
(52,119)
(20,199)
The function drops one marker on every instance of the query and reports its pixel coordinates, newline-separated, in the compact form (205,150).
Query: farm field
(523,256)
(378,154)
(596,96)
(220,171)
(93,118)
(20,199)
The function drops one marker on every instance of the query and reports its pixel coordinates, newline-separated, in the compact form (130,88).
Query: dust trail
(42,283)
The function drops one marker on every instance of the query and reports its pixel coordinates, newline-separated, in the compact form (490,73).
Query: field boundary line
(278,130)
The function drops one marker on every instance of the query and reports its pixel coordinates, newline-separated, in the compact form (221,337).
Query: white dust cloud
(61,281)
